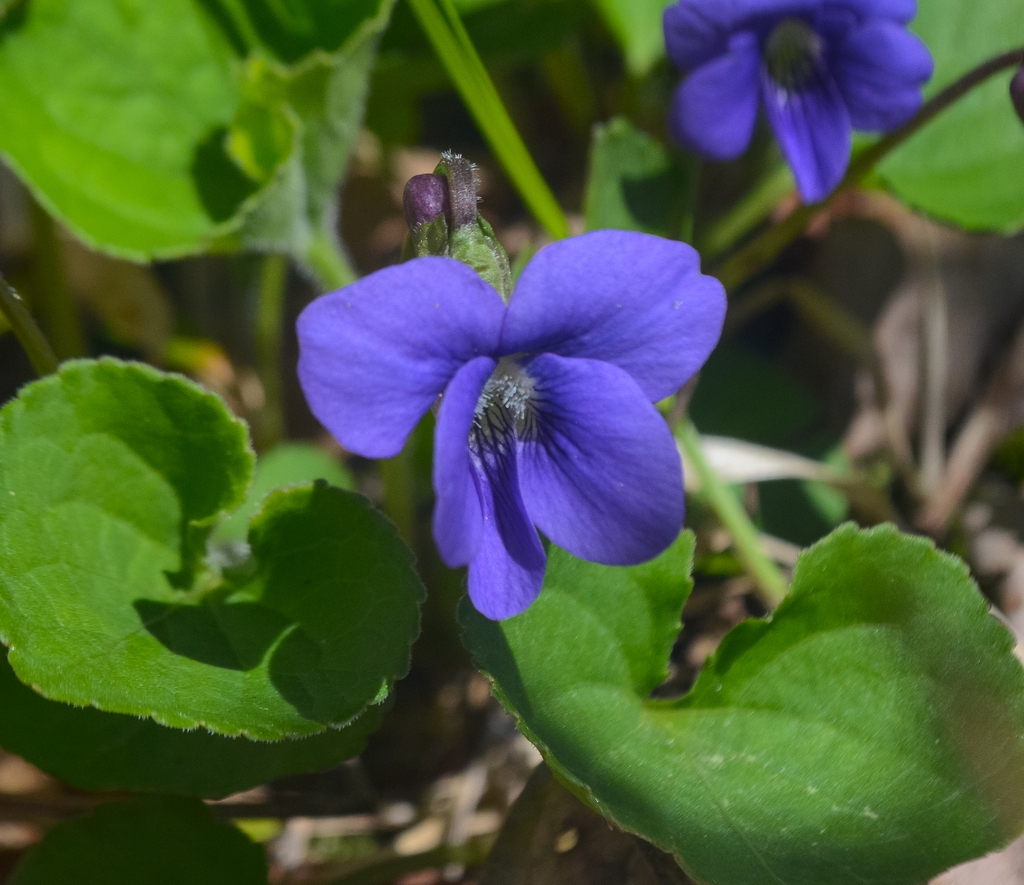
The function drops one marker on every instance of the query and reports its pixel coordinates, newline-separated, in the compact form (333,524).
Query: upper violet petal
(375,355)
(697,31)
(458,518)
(507,573)
(631,299)
(715,108)
(880,69)
(600,472)
(812,126)
(901,11)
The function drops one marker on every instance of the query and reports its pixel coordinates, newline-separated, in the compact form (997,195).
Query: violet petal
(812,126)
(458,518)
(715,108)
(880,69)
(507,573)
(631,299)
(600,472)
(375,355)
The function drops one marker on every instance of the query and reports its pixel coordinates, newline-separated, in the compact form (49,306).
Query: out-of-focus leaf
(161,841)
(975,182)
(111,476)
(287,464)
(114,112)
(93,750)
(871,732)
(636,24)
(634,183)
(307,93)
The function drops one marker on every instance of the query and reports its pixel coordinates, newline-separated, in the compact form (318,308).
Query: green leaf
(115,113)
(237,131)
(110,477)
(636,24)
(322,92)
(634,184)
(93,750)
(161,841)
(286,464)
(976,182)
(870,732)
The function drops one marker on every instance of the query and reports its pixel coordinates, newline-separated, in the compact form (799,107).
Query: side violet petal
(631,299)
(600,472)
(880,69)
(458,517)
(507,573)
(715,108)
(697,31)
(375,355)
(812,126)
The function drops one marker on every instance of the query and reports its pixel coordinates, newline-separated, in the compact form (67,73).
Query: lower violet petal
(601,475)
(507,573)
(458,518)
(715,108)
(813,129)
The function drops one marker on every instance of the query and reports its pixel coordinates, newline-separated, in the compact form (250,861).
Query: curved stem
(326,259)
(30,336)
(762,250)
(746,540)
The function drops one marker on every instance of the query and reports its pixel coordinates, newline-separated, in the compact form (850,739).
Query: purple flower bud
(426,198)
(1017,93)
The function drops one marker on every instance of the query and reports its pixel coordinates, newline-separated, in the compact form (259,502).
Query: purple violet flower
(821,68)
(546,415)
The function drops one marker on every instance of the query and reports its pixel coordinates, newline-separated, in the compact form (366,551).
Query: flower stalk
(27,331)
(762,250)
(771,586)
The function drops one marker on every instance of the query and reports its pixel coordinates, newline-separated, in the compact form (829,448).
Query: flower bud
(426,197)
(1017,93)
(472,240)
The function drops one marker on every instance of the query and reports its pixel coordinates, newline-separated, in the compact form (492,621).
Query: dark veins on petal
(503,412)
(792,54)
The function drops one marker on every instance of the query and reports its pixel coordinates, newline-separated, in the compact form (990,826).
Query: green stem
(31,337)
(746,539)
(451,42)
(50,295)
(748,213)
(761,251)
(327,261)
(269,325)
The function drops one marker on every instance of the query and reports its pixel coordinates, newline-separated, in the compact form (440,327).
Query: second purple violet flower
(819,68)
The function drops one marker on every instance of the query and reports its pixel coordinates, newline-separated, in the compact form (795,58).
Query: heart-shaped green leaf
(872,731)
(93,750)
(161,841)
(976,182)
(284,465)
(110,477)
